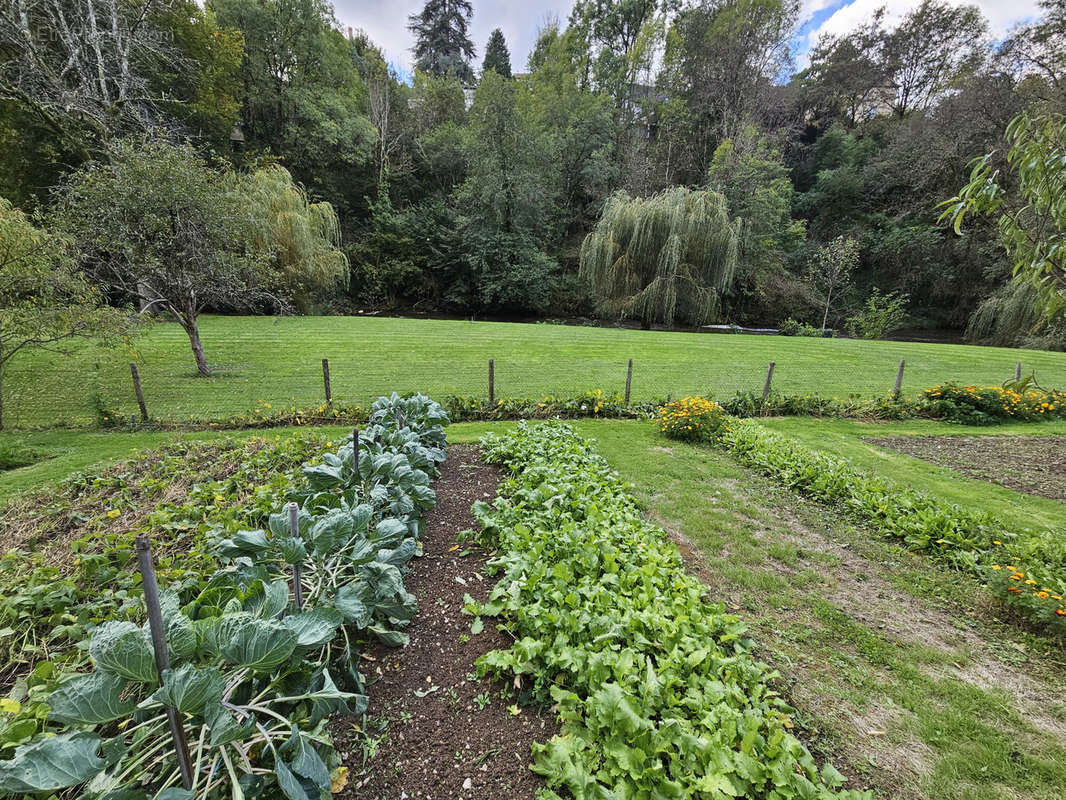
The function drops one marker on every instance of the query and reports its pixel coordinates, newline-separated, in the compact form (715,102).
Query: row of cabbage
(657,690)
(254,675)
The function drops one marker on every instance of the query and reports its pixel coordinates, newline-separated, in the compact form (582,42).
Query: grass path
(897,668)
(278,360)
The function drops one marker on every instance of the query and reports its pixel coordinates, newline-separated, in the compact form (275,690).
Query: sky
(385,21)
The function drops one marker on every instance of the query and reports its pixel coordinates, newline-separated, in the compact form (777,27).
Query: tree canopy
(442,42)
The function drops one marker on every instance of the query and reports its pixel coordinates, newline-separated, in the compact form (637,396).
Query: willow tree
(661,258)
(300,239)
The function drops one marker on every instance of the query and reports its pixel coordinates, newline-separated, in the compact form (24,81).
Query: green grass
(845,438)
(779,562)
(275,360)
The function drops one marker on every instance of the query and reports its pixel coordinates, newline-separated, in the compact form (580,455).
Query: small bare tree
(832,268)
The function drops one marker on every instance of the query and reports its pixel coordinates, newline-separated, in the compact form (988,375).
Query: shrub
(691,419)
(988,405)
(792,328)
(882,314)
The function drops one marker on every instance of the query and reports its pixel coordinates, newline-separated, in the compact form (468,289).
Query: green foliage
(879,316)
(299,237)
(302,95)
(1032,226)
(591,403)
(691,419)
(250,671)
(949,534)
(791,327)
(580,565)
(672,255)
(831,269)
(989,405)
(497,56)
(45,301)
(442,44)
(758,192)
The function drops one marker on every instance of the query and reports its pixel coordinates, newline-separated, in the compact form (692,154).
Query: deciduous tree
(45,302)
(667,257)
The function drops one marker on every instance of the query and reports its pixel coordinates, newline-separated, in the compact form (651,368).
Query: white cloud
(1002,15)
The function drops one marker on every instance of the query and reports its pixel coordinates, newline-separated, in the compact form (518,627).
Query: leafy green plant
(989,405)
(251,668)
(791,327)
(880,315)
(657,691)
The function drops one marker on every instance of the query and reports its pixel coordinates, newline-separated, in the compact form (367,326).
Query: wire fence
(53,392)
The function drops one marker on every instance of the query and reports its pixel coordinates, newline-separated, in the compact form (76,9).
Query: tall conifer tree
(442,40)
(497,56)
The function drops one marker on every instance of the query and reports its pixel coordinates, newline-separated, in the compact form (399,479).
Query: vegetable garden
(285,561)
(259,660)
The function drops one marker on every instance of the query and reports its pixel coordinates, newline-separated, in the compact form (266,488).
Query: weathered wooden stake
(629,379)
(325,379)
(162,657)
(355,451)
(1018,371)
(899,380)
(769,379)
(294,531)
(140,392)
(492,381)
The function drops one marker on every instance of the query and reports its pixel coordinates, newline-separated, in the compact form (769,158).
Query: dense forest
(653,160)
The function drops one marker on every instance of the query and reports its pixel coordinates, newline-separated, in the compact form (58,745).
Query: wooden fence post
(769,379)
(140,392)
(1018,371)
(899,380)
(629,379)
(492,381)
(325,379)
(294,532)
(162,657)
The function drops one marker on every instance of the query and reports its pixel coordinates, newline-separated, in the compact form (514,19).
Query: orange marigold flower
(1030,582)
(1043,595)
(1061,612)
(1014,589)
(1016,576)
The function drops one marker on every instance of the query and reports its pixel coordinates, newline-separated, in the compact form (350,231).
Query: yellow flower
(1043,595)
(996,566)
(114,512)
(997,542)
(1031,582)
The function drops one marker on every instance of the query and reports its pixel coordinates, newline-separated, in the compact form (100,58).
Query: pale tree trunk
(828,300)
(189,323)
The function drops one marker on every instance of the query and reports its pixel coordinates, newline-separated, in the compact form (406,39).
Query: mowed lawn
(279,361)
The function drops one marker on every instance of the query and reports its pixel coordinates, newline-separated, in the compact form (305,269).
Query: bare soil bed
(434,731)
(1031,464)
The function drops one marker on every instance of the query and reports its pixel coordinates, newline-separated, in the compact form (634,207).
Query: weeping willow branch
(662,258)
(304,237)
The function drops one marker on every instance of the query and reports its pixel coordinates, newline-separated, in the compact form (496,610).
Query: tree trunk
(825,317)
(189,323)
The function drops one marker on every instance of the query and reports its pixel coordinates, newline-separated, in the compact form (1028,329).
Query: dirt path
(436,732)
